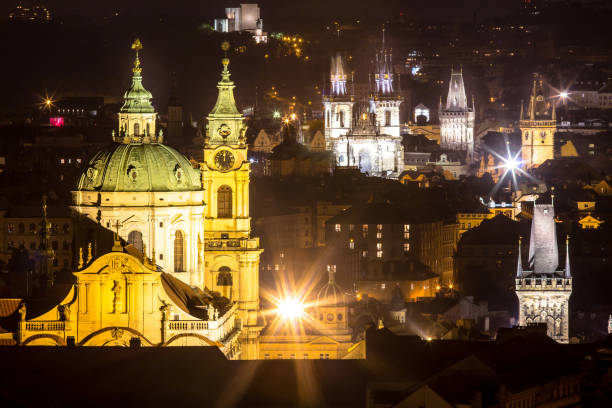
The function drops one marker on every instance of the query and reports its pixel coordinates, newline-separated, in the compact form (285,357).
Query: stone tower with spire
(457,118)
(232,255)
(544,287)
(339,101)
(538,126)
(385,98)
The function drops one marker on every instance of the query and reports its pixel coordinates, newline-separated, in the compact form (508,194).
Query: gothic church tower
(538,128)
(544,288)
(231,264)
(457,119)
(339,103)
(385,99)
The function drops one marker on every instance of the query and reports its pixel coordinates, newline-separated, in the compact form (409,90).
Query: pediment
(323,340)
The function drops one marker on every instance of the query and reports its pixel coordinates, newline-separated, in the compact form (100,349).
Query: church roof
(331,294)
(139,167)
(456,100)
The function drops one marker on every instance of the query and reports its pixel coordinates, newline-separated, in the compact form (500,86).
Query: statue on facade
(116,296)
(22,312)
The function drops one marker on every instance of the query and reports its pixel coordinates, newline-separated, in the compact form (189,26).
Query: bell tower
(231,264)
(538,127)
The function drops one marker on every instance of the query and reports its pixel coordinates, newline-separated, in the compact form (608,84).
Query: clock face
(224,160)
(224,131)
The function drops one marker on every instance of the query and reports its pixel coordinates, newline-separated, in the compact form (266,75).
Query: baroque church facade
(187,272)
(365,134)
(544,287)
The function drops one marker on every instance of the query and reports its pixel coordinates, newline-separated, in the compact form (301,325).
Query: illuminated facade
(457,119)
(322,332)
(538,126)
(145,190)
(231,266)
(544,289)
(364,135)
(121,298)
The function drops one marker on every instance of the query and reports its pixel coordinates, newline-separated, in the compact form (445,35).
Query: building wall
(538,140)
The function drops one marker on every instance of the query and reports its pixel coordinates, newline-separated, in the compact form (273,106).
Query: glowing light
(437,287)
(291,308)
(276,115)
(450,286)
(293,116)
(563,94)
(48,102)
(428,339)
(512,163)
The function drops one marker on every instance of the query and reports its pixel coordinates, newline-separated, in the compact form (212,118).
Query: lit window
(406,227)
(383,286)
(276,267)
(379,227)
(282,254)
(379,254)
(364,227)
(352,243)
(379,235)
(379,246)
(406,235)
(406,247)
(364,253)
(338,228)
(351,227)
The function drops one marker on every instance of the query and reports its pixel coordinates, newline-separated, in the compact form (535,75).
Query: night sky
(282,9)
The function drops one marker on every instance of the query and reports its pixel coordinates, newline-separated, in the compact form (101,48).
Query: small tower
(544,288)
(385,98)
(175,114)
(45,253)
(538,126)
(137,115)
(339,102)
(457,118)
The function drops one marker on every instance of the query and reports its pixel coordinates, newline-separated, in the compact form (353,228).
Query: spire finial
(89,255)
(519,265)
(137,46)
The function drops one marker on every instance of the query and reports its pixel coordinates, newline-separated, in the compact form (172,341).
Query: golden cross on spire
(137,46)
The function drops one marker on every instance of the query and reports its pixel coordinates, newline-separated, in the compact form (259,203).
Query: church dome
(143,167)
(331,294)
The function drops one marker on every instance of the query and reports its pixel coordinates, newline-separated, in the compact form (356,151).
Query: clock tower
(231,265)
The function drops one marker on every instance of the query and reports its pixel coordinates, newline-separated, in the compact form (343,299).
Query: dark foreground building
(520,369)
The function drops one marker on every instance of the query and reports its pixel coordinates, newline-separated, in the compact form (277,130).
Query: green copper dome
(139,167)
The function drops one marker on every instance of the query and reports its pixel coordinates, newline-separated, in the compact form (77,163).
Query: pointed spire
(567,272)
(519,264)
(89,255)
(521,116)
(137,99)
(225,122)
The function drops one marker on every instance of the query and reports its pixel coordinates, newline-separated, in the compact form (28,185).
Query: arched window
(387,118)
(225,276)
(136,129)
(224,202)
(179,252)
(135,239)
(341,118)
(147,130)
(328,117)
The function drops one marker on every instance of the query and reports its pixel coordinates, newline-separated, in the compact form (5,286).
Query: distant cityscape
(427,202)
